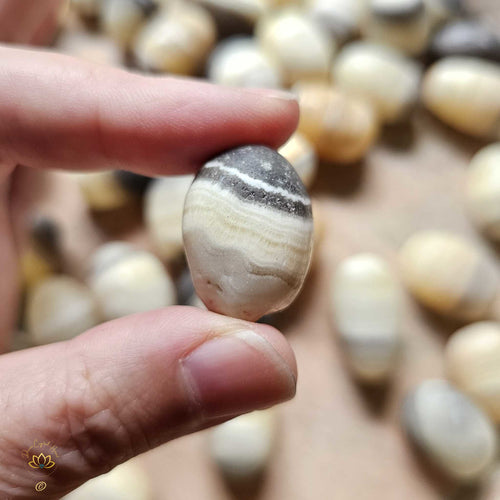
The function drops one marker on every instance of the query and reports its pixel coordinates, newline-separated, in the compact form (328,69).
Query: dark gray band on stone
(266,166)
(245,192)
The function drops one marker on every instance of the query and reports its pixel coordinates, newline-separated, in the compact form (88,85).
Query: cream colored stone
(465,94)
(299,48)
(301,154)
(450,430)
(128,281)
(128,481)
(366,310)
(472,361)
(240,62)
(383,76)
(243,446)
(163,207)
(178,40)
(341,127)
(448,274)
(101,190)
(482,190)
(387,23)
(59,308)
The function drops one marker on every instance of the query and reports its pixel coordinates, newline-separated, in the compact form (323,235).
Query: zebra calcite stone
(247,231)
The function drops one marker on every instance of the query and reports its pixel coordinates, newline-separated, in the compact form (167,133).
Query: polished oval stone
(242,447)
(341,19)
(385,77)
(248,230)
(482,190)
(240,62)
(128,481)
(163,207)
(450,430)
(465,38)
(401,24)
(92,47)
(463,92)
(472,361)
(128,281)
(299,151)
(59,308)
(102,191)
(342,127)
(121,19)
(296,45)
(449,275)
(366,311)
(179,24)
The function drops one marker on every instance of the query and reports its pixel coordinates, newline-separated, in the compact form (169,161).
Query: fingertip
(280,345)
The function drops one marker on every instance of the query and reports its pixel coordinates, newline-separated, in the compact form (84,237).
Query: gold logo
(41,456)
(40,486)
(42,462)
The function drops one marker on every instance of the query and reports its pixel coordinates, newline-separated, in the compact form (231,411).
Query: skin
(128,385)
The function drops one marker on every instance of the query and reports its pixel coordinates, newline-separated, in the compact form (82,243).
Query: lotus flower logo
(41,462)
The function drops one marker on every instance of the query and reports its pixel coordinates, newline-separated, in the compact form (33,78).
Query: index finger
(59,112)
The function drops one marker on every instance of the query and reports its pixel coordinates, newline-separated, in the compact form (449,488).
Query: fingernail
(236,373)
(282,95)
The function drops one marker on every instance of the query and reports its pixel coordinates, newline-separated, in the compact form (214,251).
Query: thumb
(129,385)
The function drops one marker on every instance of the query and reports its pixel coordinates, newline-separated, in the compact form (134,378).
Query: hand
(129,385)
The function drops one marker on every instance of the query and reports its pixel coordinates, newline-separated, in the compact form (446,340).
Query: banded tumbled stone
(366,309)
(247,231)
(450,430)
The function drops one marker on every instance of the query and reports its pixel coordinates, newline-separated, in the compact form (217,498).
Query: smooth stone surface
(472,361)
(450,430)
(240,62)
(402,24)
(101,190)
(302,156)
(341,127)
(157,46)
(125,482)
(482,190)
(59,308)
(242,447)
(448,274)
(121,19)
(341,19)
(465,38)
(91,47)
(248,230)
(464,93)
(366,311)
(389,80)
(296,45)
(163,207)
(128,281)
